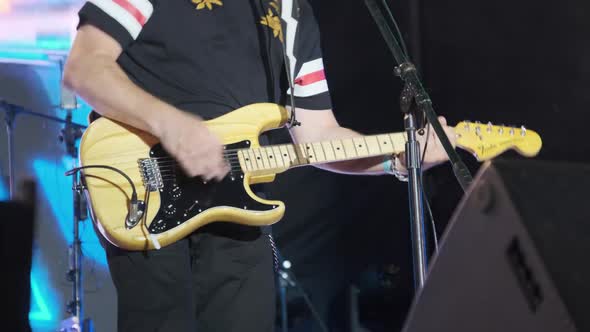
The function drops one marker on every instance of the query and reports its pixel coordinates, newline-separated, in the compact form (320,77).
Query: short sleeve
(121,19)
(310,85)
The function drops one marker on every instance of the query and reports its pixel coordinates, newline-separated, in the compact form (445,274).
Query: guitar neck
(278,158)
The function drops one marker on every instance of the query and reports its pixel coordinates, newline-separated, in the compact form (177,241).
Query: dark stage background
(515,63)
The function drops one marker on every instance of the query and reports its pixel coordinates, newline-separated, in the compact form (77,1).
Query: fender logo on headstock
(489,141)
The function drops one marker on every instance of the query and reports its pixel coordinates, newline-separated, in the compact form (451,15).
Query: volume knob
(169,211)
(175,192)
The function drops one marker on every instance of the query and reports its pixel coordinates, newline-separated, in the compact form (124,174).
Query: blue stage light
(45,302)
(4,195)
(39,311)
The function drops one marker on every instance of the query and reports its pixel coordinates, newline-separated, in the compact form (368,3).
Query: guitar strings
(301,148)
(225,152)
(262,157)
(232,158)
(263,149)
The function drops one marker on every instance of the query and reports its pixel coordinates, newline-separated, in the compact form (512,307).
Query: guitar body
(175,204)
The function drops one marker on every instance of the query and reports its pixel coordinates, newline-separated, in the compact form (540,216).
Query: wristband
(391,167)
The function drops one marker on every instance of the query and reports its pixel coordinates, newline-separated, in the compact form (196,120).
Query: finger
(192,169)
(442,120)
(452,136)
(221,171)
(209,174)
(216,168)
(221,174)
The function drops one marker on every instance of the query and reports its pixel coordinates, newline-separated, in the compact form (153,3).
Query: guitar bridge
(150,174)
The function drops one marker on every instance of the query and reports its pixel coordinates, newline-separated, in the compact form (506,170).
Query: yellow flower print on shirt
(201,4)
(273,21)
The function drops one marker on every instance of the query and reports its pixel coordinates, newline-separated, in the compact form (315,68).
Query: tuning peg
(522,131)
(490,126)
(511,131)
(501,130)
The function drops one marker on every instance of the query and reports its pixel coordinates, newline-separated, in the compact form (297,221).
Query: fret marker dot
(310,156)
(270,157)
(285,155)
(338,149)
(258,158)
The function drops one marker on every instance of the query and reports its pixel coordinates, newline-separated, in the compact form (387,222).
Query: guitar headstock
(487,141)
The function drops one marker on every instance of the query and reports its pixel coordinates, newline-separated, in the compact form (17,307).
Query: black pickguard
(183,198)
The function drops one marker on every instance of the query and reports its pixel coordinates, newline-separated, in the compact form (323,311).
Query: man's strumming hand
(198,151)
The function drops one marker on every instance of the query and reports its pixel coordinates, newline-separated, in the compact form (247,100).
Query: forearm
(105,87)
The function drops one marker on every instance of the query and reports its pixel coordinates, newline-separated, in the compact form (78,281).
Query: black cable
(425,144)
(399,34)
(78,169)
(425,194)
(430,215)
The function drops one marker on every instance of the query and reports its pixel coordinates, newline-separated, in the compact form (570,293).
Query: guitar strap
(295,14)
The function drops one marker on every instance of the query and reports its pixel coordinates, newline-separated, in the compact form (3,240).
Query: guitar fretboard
(277,158)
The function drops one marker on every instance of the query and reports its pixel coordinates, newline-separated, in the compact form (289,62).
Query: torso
(208,61)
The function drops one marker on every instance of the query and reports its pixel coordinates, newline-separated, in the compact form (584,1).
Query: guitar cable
(425,194)
(134,209)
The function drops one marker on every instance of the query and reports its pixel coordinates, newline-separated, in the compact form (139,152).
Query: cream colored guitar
(174,205)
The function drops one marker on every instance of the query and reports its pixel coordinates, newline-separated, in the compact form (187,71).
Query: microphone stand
(9,118)
(69,135)
(414,92)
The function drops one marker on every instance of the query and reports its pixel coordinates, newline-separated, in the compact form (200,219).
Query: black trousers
(219,279)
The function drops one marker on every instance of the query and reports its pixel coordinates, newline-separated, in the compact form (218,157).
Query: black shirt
(213,56)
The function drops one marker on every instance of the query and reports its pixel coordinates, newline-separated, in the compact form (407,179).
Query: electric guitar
(120,160)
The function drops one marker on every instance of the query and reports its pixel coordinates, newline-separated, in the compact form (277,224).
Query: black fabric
(220,279)
(89,13)
(308,49)
(209,62)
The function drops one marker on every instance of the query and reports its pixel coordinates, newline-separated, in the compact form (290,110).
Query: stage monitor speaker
(515,255)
